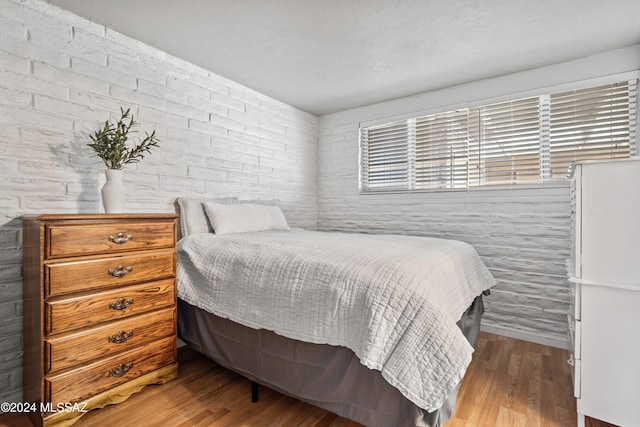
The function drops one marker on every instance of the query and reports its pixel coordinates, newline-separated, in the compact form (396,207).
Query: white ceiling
(324,56)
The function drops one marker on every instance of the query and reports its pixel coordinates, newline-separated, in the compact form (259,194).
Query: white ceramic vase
(113,192)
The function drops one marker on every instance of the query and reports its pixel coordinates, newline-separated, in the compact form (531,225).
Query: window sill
(519,187)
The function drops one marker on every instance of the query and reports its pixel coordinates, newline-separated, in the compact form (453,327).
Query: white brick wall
(62,76)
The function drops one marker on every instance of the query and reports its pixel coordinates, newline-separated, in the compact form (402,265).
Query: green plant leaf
(110,142)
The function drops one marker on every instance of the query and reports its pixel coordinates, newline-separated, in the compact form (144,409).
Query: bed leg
(254,391)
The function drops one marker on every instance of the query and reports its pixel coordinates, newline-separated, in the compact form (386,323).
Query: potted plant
(111,144)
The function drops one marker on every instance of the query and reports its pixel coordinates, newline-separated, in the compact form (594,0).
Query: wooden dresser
(99,310)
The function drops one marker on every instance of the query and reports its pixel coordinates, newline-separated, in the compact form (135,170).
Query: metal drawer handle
(121,337)
(120,370)
(120,271)
(121,303)
(120,238)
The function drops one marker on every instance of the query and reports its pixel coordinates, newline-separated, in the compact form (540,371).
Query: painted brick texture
(522,235)
(62,76)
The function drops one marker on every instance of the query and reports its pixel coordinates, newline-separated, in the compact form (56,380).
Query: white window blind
(505,141)
(385,156)
(442,150)
(524,141)
(589,124)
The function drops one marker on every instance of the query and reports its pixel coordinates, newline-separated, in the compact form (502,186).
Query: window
(525,141)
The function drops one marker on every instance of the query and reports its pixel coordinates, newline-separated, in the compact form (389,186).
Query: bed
(376,328)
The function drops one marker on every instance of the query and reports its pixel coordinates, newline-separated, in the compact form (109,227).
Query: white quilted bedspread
(393,300)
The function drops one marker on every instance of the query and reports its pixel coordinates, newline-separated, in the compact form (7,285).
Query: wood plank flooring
(510,383)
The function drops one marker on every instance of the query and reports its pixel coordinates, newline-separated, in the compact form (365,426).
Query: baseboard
(526,336)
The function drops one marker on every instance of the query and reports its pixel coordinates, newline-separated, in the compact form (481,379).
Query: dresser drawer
(72,349)
(81,274)
(70,239)
(76,385)
(99,308)
(74,312)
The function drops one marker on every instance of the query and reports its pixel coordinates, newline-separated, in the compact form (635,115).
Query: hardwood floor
(509,383)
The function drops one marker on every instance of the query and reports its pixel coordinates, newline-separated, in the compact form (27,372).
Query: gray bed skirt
(322,375)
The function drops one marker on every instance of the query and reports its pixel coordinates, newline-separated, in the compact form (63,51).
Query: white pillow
(244,217)
(192,215)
